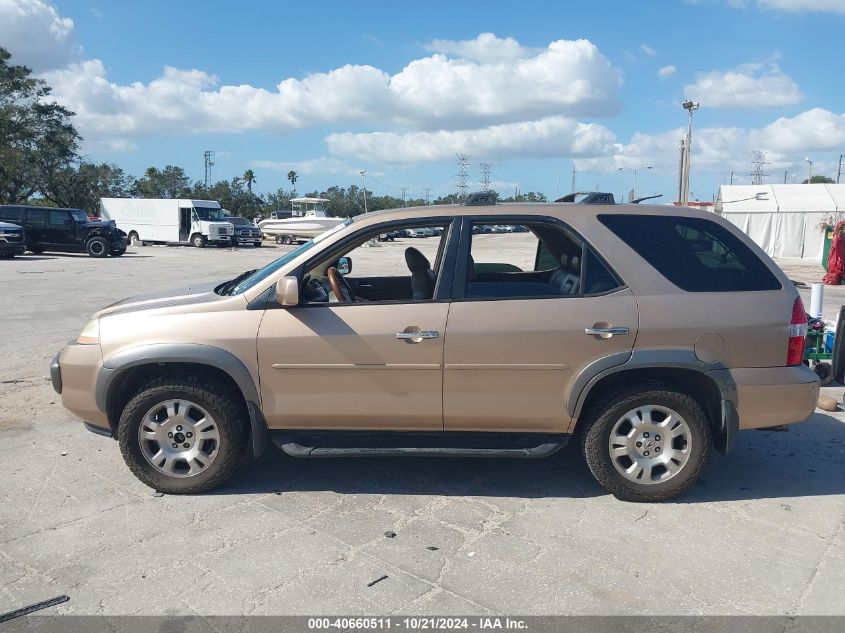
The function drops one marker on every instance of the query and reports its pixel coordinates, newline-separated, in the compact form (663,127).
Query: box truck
(170,221)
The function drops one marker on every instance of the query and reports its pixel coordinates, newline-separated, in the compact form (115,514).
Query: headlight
(90,334)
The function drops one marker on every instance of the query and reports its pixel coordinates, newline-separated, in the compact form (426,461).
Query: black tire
(198,240)
(224,405)
(35,250)
(600,419)
(119,252)
(287,240)
(98,247)
(825,373)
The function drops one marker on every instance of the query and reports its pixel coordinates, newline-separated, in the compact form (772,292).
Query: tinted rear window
(695,254)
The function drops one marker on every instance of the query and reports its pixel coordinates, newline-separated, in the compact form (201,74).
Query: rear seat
(567,278)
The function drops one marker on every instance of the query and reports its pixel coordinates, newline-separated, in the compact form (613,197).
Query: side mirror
(344,265)
(287,291)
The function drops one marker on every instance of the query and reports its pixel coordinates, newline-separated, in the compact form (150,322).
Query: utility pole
(427,195)
(758,166)
(404,191)
(209,163)
(364,188)
(574,171)
(690,107)
(485,175)
(635,170)
(810,172)
(732,176)
(839,171)
(462,175)
(785,173)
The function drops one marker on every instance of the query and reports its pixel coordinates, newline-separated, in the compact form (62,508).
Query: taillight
(797,334)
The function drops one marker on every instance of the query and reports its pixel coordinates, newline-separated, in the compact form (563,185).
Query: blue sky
(398,87)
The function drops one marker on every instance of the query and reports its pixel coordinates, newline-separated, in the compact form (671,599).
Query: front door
(517,334)
(342,366)
(60,228)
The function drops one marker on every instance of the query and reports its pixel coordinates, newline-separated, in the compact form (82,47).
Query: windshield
(239,221)
(263,273)
(79,216)
(209,213)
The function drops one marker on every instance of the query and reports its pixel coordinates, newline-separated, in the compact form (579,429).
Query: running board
(397,444)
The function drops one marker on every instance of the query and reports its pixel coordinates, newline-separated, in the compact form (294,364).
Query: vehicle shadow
(29,257)
(809,460)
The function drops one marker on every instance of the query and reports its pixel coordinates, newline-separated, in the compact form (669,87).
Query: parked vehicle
(169,221)
(65,231)
(245,232)
(12,240)
(650,336)
(419,232)
(308,218)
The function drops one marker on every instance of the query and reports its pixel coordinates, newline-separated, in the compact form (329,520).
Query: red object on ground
(836,259)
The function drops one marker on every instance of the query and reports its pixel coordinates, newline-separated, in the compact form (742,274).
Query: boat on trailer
(308,218)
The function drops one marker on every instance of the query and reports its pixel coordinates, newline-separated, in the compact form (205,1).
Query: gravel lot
(762,533)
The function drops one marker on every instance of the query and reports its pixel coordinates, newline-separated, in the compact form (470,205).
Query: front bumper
(73,372)
(774,396)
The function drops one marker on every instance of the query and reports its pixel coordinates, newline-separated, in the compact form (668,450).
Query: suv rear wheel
(649,443)
(97,247)
(182,435)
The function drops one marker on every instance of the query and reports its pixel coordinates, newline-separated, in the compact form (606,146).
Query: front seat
(422,277)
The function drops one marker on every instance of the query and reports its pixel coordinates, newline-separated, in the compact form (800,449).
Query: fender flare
(225,361)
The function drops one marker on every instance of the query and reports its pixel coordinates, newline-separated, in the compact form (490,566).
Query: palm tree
(249,177)
(292,176)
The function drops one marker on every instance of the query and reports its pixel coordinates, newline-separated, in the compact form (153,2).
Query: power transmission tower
(485,175)
(758,167)
(574,171)
(462,176)
(208,154)
(427,195)
(404,191)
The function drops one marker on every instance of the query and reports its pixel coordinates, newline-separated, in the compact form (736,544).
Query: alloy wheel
(179,438)
(650,444)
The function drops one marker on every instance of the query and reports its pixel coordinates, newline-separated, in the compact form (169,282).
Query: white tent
(783,219)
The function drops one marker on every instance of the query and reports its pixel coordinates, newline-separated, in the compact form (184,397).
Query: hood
(193,294)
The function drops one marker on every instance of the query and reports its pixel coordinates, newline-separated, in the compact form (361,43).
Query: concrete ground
(763,532)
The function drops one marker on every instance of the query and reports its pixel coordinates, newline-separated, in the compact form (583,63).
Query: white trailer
(169,221)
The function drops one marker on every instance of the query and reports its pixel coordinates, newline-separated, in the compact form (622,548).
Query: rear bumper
(774,396)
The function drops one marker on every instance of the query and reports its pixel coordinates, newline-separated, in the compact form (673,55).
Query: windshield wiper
(229,285)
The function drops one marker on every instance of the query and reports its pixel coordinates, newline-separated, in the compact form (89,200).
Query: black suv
(12,240)
(65,230)
(245,231)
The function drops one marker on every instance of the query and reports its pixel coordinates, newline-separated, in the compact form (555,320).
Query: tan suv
(650,334)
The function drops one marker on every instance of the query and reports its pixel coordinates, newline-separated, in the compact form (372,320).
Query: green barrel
(828,240)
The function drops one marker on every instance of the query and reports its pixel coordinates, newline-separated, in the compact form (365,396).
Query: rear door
(36,223)
(517,340)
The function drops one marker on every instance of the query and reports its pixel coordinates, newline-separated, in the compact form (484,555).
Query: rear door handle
(606,332)
(417,336)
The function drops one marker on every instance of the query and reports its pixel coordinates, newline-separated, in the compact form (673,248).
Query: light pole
(683,189)
(810,172)
(364,188)
(635,170)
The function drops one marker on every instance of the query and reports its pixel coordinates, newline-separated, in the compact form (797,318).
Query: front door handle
(605,331)
(416,335)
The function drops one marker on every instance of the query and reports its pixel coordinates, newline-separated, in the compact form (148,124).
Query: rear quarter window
(695,254)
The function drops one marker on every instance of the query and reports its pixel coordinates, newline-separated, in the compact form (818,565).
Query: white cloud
(550,136)
(833,6)
(484,48)
(786,141)
(667,71)
(568,78)
(748,86)
(36,35)
(648,50)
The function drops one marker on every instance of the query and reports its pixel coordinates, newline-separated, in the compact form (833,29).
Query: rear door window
(695,254)
(14,214)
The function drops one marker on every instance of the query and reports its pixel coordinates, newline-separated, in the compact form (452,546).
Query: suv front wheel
(648,442)
(182,435)
(98,247)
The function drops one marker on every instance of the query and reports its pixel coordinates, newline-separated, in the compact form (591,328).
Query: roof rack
(591,197)
(480,199)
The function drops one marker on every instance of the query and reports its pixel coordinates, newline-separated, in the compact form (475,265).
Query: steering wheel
(340,287)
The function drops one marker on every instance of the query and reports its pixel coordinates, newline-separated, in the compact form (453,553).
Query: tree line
(40,164)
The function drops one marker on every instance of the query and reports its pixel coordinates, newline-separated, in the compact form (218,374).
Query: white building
(783,219)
